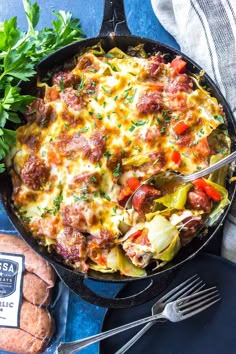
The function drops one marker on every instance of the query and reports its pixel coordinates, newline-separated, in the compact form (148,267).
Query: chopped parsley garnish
(93,179)
(222,151)
(66,125)
(23,215)
(99,116)
(202,131)
(131,129)
(84,129)
(57,202)
(184,154)
(112,66)
(83,196)
(82,83)
(115,208)
(219,118)
(163,130)
(61,84)
(126,94)
(159,121)
(107,154)
(137,148)
(105,196)
(117,170)
(140,123)
(106,90)
(131,98)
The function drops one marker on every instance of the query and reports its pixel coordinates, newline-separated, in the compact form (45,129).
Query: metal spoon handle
(207,170)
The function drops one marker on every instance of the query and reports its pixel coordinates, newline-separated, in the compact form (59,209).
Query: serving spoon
(174,177)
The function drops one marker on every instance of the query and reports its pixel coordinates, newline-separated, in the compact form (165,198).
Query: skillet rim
(79,46)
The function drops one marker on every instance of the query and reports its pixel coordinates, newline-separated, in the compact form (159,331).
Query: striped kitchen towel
(206,32)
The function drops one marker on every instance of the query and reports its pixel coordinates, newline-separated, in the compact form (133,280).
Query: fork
(189,286)
(174,311)
(186,178)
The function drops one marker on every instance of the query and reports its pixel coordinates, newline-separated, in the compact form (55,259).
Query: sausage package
(33,302)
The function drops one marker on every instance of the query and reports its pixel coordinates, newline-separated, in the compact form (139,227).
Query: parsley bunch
(19,53)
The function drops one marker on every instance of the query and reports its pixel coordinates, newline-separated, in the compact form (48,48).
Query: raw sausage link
(33,262)
(17,341)
(36,320)
(35,290)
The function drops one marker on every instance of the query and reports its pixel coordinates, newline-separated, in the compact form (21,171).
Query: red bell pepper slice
(124,193)
(136,234)
(133,183)
(208,189)
(176,157)
(178,65)
(180,127)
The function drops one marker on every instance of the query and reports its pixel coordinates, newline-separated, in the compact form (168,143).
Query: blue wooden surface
(85,319)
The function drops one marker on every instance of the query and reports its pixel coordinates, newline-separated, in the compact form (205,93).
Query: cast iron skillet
(114,32)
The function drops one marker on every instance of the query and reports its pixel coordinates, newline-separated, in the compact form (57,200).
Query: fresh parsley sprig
(19,53)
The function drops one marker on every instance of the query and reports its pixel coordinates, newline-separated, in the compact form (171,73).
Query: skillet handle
(75,282)
(114,19)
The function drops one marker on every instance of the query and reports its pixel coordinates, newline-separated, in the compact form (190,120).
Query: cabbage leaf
(219,209)
(118,261)
(174,200)
(164,238)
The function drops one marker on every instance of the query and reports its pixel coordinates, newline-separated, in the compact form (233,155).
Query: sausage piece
(149,102)
(65,77)
(198,200)
(18,341)
(34,173)
(35,290)
(191,226)
(179,83)
(39,112)
(143,198)
(72,246)
(33,262)
(72,98)
(36,320)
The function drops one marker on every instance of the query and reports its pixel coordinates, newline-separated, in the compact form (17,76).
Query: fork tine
(197,299)
(193,296)
(196,288)
(200,309)
(175,291)
(199,304)
(186,290)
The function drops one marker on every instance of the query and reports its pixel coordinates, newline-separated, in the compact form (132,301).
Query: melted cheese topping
(99,133)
